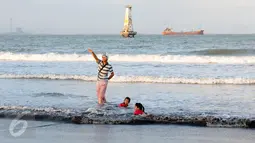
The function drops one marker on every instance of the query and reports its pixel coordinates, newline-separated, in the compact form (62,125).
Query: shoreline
(63,133)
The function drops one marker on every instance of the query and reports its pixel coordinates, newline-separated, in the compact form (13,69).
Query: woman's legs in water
(98,91)
(101,90)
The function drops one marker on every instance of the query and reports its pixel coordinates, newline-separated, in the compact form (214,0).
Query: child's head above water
(139,110)
(139,106)
(125,102)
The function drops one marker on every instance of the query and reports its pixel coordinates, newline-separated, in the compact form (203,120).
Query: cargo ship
(168,31)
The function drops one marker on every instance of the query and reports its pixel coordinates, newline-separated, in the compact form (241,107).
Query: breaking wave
(225,52)
(54,57)
(92,117)
(137,79)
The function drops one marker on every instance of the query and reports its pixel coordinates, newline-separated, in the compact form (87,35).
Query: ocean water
(189,77)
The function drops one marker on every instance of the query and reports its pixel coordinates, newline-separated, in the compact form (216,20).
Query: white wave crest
(138,79)
(46,109)
(53,57)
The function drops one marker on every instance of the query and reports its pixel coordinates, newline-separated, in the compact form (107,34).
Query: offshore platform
(128,31)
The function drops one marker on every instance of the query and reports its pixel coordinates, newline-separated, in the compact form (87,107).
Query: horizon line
(13,33)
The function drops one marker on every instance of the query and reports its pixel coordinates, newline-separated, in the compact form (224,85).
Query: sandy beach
(42,132)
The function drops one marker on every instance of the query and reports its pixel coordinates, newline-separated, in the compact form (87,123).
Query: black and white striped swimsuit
(103,74)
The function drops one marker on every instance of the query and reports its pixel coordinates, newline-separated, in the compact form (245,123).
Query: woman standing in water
(102,77)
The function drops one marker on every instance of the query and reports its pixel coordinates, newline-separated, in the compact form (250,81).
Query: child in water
(139,109)
(125,102)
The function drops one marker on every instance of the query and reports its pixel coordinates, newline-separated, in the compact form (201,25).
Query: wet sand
(41,132)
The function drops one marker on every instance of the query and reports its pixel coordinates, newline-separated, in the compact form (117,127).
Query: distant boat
(18,31)
(168,31)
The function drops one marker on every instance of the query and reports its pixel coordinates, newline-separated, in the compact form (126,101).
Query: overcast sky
(107,16)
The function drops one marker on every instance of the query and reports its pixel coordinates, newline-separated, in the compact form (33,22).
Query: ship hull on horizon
(200,32)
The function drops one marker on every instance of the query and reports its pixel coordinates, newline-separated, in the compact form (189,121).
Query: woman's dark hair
(128,99)
(139,106)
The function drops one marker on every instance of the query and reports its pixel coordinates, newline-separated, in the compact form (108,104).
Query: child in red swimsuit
(139,109)
(125,102)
